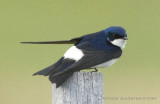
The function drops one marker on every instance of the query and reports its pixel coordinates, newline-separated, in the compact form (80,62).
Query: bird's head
(116,35)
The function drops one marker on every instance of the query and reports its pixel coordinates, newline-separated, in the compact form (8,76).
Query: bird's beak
(125,38)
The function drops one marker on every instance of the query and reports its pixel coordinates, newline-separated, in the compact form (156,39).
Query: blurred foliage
(135,74)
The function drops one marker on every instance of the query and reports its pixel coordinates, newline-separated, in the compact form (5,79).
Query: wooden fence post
(80,88)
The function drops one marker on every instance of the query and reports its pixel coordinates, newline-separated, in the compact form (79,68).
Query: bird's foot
(95,70)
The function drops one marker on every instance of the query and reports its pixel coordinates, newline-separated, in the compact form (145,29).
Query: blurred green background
(136,74)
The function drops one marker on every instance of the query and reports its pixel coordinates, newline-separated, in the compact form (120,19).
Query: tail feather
(49,70)
(53,70)
(46,72)
(60,78)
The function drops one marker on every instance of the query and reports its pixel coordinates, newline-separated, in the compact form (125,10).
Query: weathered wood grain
(80,88)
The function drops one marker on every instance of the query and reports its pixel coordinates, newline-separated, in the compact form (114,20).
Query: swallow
(91,51)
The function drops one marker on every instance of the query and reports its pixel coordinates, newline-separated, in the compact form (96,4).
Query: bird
(96,50)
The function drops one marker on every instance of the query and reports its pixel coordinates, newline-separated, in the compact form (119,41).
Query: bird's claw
(95,70)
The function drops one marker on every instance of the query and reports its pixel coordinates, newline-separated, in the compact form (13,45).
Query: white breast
(74,53)
(106,64)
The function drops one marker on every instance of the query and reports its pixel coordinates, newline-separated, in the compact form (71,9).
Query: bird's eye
(117,36)
(113,36)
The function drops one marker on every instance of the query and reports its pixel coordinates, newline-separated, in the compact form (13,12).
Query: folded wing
(90,59)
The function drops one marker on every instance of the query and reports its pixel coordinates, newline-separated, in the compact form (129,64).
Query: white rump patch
(119,42)
(106,64)
(74,53)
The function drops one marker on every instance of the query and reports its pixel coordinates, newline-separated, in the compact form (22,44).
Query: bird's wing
(71,41)
(92,58)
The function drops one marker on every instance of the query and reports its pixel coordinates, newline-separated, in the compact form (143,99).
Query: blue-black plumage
(92,51)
